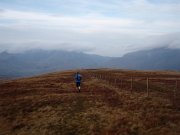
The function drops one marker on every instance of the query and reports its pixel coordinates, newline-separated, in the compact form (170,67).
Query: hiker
(78,78)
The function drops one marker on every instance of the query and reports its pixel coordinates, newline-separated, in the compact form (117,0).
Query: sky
(103,27)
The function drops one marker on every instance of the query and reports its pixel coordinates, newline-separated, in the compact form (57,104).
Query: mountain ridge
(36,62)
(154,59)
(40,61)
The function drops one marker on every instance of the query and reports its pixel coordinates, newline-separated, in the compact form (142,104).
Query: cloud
(97,44)
(110,28)
(171,40)
(1,10)
(90,21)
(21,47)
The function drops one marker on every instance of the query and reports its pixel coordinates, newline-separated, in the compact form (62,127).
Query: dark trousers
(78,84)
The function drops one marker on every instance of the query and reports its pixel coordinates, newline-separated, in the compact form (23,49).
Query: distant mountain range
(40,61)
(155,59)
(36,62)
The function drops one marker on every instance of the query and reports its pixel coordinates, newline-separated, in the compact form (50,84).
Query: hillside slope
(50,105)
(36,62)
(155,59)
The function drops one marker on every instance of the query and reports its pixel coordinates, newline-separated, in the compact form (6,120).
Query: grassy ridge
(49,104)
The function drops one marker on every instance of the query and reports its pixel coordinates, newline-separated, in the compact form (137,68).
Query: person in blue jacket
(78,79)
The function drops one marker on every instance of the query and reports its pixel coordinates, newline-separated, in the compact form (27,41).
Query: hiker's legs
(78,85)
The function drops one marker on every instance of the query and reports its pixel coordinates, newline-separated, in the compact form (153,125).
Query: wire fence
(164,86)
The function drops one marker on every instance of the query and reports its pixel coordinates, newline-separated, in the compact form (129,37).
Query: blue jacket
(78,77)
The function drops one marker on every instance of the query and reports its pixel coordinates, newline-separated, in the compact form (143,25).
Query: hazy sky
(104,27)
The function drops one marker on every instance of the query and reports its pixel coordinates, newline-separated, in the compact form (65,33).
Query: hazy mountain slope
(155,59)
(39,61)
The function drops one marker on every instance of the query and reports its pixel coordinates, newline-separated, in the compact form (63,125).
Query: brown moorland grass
(50,105)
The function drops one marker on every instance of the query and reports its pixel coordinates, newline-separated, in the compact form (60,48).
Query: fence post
(109,79)
(148,86)
(174,95)
(121,83)
(131,84)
